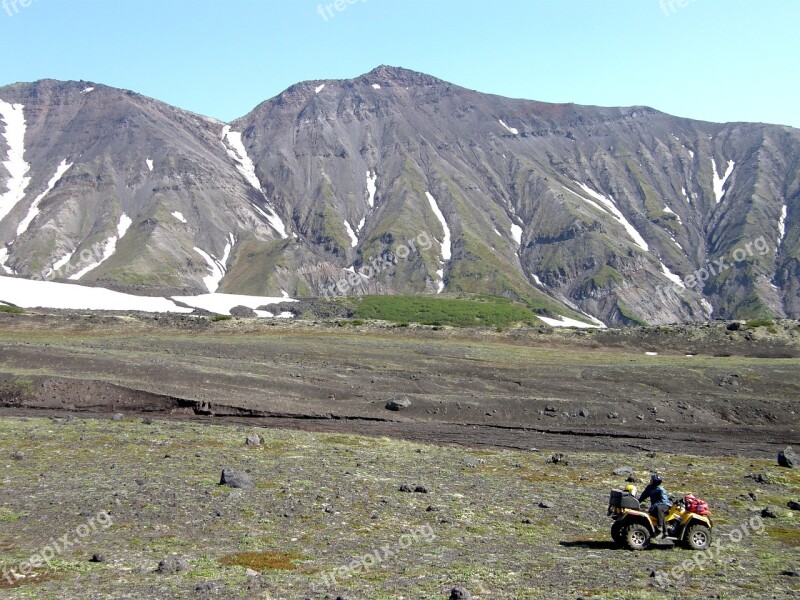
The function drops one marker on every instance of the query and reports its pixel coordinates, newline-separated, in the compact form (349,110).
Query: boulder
(236,479)
(788,458)
(172,564)
(398,403)
(243,312)
(460,593)
(253,440)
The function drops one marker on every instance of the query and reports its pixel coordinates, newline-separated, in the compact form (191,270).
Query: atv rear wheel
(636,536)
(698,537)
(616,533)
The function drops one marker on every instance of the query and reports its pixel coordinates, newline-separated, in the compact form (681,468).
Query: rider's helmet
(655,479)
(631,489)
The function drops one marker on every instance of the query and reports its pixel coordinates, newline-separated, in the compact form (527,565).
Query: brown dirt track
(518,389)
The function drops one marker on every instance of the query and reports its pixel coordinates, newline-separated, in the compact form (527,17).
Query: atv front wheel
(636,536)
(698,537)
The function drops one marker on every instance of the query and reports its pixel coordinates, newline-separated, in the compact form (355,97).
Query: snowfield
(447,251)
(33,211)
(719,183)
(47,294)
(14,118)
(611,207)
(232,141)
(567,322)
(110,247)
(27,293)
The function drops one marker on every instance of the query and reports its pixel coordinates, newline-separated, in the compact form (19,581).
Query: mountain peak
(386,74)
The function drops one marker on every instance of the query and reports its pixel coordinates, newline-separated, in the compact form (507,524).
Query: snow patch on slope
(180,217)
(4,260)
(87,90)
(567,322)
(707,305)
(110,247)
(376,86)
(615,212)
(351,233)
(245,166)
(219,267)
(33,211)
(671,276)
(719,184)
(223,303)
(782,223)
(47,294)
(512,130)
(372,187)
(447,251)
(14,133)
(149,164)
(516,233)
(319,88)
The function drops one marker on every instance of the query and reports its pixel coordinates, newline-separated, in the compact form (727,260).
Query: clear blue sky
(719,60)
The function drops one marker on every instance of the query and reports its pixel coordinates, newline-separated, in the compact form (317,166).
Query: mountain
(399,183)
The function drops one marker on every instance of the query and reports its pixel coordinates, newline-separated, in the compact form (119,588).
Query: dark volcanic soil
(602,390)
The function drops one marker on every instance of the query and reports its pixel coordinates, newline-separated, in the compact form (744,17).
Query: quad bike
(688,522)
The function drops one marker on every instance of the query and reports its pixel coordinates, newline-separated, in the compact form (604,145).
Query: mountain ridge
(577,210)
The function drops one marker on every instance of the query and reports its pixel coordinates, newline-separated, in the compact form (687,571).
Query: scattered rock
(460,593)
(147,421)
(793,505)
(420,489)
(550,409)
(613,415)
(660,420)
(172,564)
(791,573)
(761,478)
(253,440)
(584,413)
(97,558)
(433,509)
(117,417)
(251,573)
(623,471)
(735,326)
(526,522)
(398,403)
(236,479)
(769,513)
(557,459)
(544,504)
(17,455)
(406,489)
(788,458)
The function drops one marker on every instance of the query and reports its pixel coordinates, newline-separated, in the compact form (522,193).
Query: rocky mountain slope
(398,182)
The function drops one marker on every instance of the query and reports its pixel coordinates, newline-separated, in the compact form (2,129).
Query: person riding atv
(687,521)
(659,502)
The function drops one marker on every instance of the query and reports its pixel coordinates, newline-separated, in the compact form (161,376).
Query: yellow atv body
(635,528)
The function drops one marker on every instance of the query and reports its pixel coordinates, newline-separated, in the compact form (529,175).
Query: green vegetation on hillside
(487,311)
